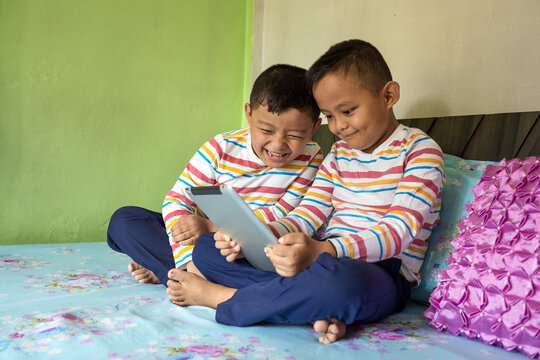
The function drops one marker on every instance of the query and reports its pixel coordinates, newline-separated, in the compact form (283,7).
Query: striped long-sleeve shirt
(375,206)
(229,159)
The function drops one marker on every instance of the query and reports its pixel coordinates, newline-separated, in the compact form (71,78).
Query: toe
(320,326)
(331,337)
(333,329)
(324,340)
(173,273)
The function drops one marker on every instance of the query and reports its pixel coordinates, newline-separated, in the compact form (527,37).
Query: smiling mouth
(275,156)
(348,135)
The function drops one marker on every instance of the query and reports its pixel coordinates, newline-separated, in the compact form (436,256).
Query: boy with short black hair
(379,191)
(270,164)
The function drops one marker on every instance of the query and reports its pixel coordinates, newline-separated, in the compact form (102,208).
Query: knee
(355,283)
(121,218)
(204,251)
(204,244)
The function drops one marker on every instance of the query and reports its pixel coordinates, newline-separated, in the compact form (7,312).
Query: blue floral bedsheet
(77,301)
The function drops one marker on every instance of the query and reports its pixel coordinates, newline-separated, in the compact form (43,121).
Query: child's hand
(227,247)
(188,228)
(295,252)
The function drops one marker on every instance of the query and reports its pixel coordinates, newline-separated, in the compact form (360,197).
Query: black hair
(356,57)
(282,87)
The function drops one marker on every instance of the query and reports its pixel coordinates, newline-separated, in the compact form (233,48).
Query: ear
(316,126)
(391,93)
(247,111)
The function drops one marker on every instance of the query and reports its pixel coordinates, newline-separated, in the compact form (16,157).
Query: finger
(231,257)
(219,236)
(184,233)
(181,235)
(275,255)
(283,271)
(222,245)
(226,252)
(291,239)
(236,247)
(277,261)
(281,250)
(178,228)
(192,240)
(269,253)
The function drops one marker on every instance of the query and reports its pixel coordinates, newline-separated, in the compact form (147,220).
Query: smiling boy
(271,163)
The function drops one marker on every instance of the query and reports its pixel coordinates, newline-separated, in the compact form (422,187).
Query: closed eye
(349,111)
(296,137)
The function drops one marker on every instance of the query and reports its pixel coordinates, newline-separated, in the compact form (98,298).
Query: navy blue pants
(141,234)
(346,289)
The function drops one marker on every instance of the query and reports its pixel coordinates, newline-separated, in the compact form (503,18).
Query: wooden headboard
(473,137)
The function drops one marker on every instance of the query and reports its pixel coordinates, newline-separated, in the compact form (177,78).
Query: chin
(274,164)
(277,164)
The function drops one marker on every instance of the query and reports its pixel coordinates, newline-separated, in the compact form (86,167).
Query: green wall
(103,102)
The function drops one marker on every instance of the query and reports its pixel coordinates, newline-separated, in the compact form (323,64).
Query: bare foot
(186,289)
(332,330)
(190,267)
(142,274)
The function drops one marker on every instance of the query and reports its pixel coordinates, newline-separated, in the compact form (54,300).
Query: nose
(278,142)
(341,123)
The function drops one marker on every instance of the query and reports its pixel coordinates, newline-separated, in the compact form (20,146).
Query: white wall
(451,57)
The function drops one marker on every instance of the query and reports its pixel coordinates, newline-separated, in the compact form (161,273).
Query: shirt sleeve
(294,192)
(413,203)
(314,208)
(200,171)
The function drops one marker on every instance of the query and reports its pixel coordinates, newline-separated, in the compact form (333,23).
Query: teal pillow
(461,176)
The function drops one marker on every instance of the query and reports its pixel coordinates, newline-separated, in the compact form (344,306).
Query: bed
(73,301)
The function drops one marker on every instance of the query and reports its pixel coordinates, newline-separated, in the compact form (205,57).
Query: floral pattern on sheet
(115,317)
(18,262)
(406,334)
(76,281)
(41,332)
(202,346)
(400,333)
(37,333)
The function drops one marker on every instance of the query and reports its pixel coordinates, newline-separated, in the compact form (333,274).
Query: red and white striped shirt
(229,159)
(375,206)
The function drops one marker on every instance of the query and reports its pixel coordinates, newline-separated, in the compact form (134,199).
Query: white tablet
(230,213)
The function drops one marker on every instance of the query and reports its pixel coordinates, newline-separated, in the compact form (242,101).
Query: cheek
(332,127)
(257,140)
(297,146)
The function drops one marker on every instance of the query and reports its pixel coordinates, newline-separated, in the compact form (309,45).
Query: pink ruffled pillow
(491,288)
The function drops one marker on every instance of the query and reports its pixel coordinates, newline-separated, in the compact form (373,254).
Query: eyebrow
(262,122)
(342,105)
(345,104)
